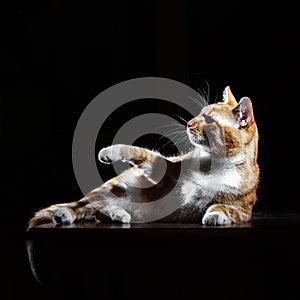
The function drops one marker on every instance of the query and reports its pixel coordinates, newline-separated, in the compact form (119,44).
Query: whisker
(178,129)
(172,131)
(165,144)
(182,139)
(217,96)
(178,139)
(205,93)
(187,144)
(173,135)
(169,125)
(182,119)
(164,126)
(208,90)
(176,132)
(200,102)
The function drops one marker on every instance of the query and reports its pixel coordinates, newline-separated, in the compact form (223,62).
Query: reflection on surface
(156,261)
(60,255)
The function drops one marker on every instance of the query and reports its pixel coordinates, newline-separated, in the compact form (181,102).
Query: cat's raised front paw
(110,154)
(215,218)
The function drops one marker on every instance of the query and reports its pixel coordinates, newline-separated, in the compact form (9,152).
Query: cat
(214,183)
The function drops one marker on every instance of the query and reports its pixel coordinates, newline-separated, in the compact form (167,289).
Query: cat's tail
(41,217)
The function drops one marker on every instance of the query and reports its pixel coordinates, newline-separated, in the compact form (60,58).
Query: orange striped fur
(222,191)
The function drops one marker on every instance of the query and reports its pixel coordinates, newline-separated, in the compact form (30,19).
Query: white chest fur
(202,187)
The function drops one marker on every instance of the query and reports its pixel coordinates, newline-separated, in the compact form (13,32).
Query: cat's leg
(150,162)
(140,157)
(101,203)
(82,210)
(64,213)
(110,195)
(223,214)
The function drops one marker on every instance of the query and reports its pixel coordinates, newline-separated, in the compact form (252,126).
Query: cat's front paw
(110,154)
(121,215)
(63,215)
(116,214)
(215,218)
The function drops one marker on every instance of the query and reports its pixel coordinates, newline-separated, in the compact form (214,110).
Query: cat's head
(224,127)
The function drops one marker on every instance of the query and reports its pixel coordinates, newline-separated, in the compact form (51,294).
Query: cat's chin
(201,142)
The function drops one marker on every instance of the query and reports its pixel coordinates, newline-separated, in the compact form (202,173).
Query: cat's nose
(190,123)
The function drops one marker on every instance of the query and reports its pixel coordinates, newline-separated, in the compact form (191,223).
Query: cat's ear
(243,112)
(228,97)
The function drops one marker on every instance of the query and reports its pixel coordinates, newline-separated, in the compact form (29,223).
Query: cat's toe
(63,215)
(215,218)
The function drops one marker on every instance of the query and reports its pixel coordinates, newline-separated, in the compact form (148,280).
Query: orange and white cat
(215,183)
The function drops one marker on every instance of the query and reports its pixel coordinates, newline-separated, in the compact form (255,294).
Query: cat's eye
(208,119)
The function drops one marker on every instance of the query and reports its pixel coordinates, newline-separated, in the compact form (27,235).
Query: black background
(56,56)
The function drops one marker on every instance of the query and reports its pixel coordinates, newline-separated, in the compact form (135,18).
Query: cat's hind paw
(58,215)
(63,215)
